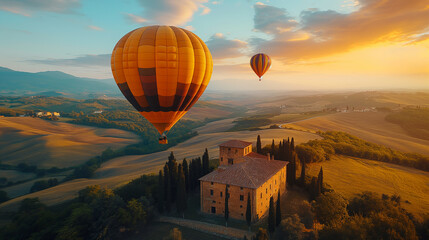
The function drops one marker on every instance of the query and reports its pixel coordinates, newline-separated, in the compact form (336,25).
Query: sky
(313,44)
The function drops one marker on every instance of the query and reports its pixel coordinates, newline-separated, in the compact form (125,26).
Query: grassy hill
(350,176)
(415,121)
(120,170)
(63,104)
(370,126)
(49,144)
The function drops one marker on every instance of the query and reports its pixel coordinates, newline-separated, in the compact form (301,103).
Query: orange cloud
(330,32)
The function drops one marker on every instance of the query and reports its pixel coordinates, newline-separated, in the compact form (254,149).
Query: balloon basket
(163,140)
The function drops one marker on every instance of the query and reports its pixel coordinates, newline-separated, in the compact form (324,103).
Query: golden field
(49,144)
(120,170)
(369,126)
(349,176)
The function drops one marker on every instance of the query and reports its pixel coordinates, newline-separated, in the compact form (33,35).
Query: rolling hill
(350,176)
(52,83)
(120,170)
(49,144)
(370,126)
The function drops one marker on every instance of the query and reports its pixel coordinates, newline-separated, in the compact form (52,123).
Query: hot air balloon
(260,64)
(162,71)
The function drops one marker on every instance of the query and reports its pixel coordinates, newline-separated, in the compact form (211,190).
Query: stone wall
(237,207)
(270,189)
(236,154)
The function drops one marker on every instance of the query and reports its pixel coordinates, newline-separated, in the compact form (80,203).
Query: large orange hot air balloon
(260,64)
(162,71)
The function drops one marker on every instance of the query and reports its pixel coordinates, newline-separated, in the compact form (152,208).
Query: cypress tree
(196,172)
(277,155)
(226,206)
(313,188)
(293,170)
(278,211)
(172,167)
(181,194)
(161,197)
(272,217)
(249,211)
(286,150)
(186,173)
(191,175)
(200,169)
(206,165)
(302,178)
(320,182)
(179,172)
(258,145)
(173,180)
(292,145)
(273,148)
(281,151)
(171,157)
(167,188)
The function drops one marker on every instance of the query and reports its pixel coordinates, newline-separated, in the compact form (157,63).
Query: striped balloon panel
(260,63)
(162,71)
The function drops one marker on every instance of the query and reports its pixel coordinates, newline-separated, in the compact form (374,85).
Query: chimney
(268,157)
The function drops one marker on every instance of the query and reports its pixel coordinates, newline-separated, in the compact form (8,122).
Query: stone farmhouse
(244,172)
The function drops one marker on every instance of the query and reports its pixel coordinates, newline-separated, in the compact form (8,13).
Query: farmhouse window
(213,209)
(221,194)
(241,198)
(211,192)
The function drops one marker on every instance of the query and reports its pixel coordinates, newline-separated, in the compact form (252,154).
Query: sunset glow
(364,44)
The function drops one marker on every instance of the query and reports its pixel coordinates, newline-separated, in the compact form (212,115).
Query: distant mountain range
(54,83)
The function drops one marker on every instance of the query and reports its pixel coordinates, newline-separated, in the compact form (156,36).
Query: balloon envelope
(260,64)
(162,71)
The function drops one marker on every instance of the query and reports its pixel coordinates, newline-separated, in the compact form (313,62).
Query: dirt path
(217,230)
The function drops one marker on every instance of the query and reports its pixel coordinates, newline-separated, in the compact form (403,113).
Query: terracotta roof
(235,144)
(251,173)
(256,155)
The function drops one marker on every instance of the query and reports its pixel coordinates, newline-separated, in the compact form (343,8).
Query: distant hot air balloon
(260,63)
(162,71)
